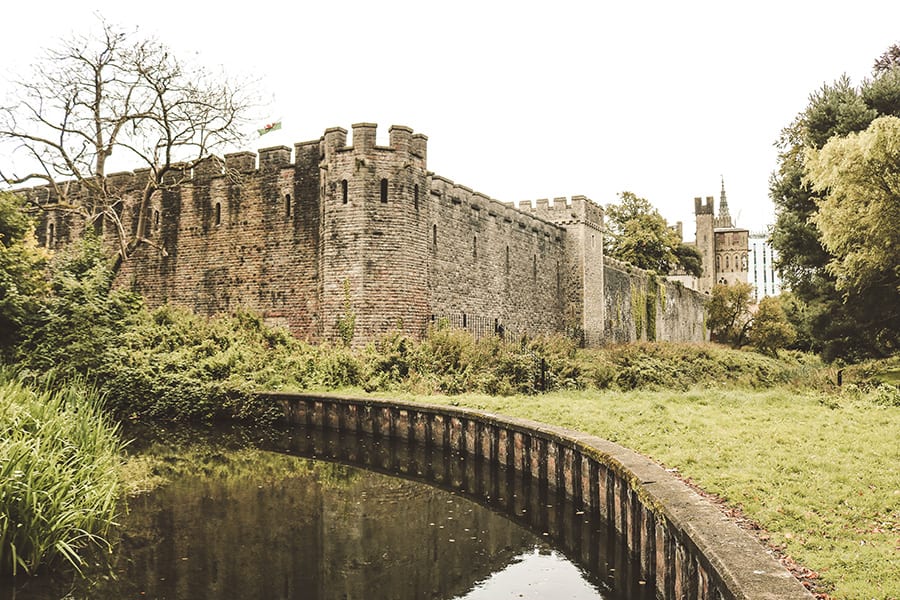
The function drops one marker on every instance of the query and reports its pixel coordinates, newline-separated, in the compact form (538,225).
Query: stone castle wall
(643,307)
(331,232)
(491,265)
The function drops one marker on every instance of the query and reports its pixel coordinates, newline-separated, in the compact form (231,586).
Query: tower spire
(724,215)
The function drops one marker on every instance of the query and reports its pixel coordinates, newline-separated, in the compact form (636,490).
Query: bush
(81,317)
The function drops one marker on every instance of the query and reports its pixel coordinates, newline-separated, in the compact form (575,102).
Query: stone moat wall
(685,546)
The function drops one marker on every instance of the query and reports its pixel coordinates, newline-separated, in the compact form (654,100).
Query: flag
(269,127)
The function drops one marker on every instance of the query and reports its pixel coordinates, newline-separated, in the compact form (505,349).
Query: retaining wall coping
(749,570)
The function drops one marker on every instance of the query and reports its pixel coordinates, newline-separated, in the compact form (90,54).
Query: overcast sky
(521,100)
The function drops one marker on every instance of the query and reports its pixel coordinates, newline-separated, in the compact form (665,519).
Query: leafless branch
(112,93)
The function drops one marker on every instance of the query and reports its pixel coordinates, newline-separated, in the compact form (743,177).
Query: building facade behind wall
(723,247)
(333,232)
(761,264)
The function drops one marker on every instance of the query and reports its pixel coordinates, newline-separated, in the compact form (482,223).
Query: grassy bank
(59,476)
(818,472)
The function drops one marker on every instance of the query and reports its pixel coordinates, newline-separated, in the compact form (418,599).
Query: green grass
(819,472)
(59,476)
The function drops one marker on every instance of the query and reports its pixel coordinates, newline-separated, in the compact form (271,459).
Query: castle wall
(582,220)
(357,240)
(237,238)
(643,307)
(374,234)
(491,265)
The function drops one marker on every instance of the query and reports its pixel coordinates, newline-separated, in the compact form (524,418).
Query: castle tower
(706,241)
(374,226)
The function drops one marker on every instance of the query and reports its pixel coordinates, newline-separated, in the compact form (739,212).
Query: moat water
(311,515)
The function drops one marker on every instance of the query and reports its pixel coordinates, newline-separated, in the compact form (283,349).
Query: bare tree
(112,92)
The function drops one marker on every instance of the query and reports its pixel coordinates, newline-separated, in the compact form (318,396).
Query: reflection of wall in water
(373,537)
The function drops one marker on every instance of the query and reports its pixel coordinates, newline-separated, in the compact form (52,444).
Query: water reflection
(534,576)
(261,522)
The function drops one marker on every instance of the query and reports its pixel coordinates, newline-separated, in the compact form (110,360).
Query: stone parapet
(686,547)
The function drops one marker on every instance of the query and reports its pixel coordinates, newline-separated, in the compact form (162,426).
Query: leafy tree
(770,329)
(859,210)
(114,93)
(838,323)
(690,259)
(728,313)
(638,234)
(22,269)
(82,314)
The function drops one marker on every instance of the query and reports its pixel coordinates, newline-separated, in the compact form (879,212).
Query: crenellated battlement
(292,232)
(403,143)
(563,211)
(703,208)
(447,191)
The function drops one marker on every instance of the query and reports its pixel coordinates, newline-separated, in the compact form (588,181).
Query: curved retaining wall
(685,544)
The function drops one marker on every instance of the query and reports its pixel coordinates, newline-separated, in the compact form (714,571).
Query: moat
(298,513)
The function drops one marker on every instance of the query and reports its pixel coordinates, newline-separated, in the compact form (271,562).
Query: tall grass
(59,475)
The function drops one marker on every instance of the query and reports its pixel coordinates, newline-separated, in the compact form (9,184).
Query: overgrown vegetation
(731,320)
(59,475)
(168,364)
(639,235)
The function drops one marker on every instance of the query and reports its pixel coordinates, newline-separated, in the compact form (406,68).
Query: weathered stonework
(363,232)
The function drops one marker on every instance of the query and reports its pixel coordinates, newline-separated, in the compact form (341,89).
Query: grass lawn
(820,473)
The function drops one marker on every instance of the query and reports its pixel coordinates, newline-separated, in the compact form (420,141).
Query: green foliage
(172,365)
(80,317)
(770,330)
(638,309)
(59,481)
(638,234)
(835,110)
(883,92)
(690,259)
(859,179)
(22,270)
(451,361)
(838,322)
(346,323)
(889,59)
(728,313)
(682,366)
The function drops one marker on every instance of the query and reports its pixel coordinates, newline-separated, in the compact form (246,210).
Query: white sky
(521,100)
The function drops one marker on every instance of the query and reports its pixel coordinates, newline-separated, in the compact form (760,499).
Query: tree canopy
(728,313)
(843,314)
(112,93)
(638,234)
(859,210)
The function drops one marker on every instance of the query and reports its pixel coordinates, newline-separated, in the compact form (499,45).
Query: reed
(59,475)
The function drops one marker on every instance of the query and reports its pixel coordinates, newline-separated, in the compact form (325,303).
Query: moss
(652,291)
(638,308)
